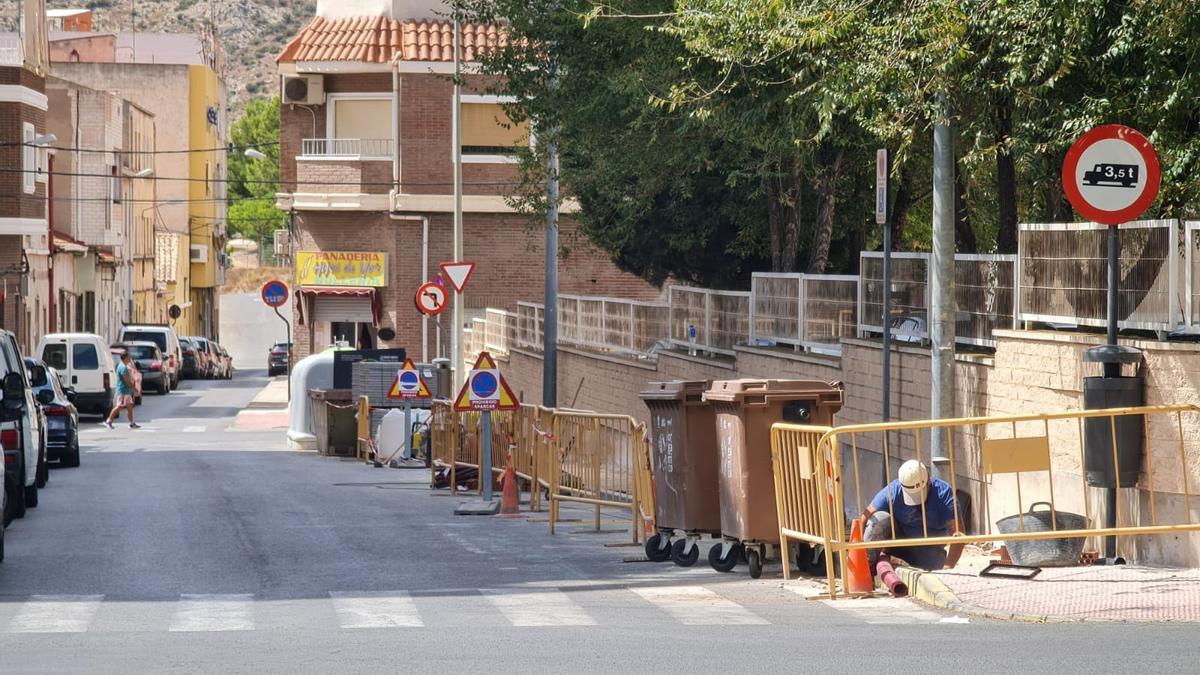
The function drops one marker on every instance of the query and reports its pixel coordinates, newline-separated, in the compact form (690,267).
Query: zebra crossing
(520,607)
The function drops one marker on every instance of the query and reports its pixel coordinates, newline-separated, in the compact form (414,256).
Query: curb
(926,588)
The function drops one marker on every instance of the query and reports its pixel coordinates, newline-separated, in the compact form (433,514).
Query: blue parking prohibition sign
(274,293)
(483,384)
(408,379)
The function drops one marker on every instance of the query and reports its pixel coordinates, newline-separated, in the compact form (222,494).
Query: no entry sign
(1111,174)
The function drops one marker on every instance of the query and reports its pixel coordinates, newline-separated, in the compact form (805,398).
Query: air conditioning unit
(283,244)
(199,253)
(303,89)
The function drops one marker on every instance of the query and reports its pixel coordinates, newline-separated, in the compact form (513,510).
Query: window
(359,125)
(55,356)
(29,158)
(83,357)
(115,190)
(488,130)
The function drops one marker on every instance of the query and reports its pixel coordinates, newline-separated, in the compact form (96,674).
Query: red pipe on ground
(887,574)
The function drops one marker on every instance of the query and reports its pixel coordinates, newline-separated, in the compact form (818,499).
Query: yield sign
(408,383)
(459,273)
(485,389)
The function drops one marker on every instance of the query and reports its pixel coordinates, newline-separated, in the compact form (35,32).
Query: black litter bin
(1105,392)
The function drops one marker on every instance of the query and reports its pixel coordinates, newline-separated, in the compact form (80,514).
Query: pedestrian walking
(124,392)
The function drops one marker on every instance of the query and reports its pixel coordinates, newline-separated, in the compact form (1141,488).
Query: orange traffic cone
(510,504)
(857,566)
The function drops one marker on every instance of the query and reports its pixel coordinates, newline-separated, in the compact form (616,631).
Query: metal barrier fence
(910,292)
(573,456)
(985,291)
(595,463)
(531,322)
(1064,274)
(1191,243)
(631,327)
(824,477)
(499,329)
(712,321)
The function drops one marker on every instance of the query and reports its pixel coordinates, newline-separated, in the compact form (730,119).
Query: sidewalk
(267,411)
(1065,594)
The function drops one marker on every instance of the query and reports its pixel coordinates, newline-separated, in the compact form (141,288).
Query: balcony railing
(348,148)
(10,51)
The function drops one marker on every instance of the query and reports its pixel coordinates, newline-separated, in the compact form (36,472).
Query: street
(188,546)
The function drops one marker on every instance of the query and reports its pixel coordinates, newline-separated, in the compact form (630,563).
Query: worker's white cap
(914,478)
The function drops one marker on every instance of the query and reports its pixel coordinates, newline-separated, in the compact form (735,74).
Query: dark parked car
(190,359)
(150,363)
(62,419)
(277,358)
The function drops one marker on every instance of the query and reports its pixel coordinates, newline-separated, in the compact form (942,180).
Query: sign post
(1111,176)
(485,391)
(408,386)
(274,295)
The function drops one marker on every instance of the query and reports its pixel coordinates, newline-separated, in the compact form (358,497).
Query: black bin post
(1113,390)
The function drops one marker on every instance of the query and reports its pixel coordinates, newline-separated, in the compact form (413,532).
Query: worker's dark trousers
(879,528)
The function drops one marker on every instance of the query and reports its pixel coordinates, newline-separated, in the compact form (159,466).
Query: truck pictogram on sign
(1112,175)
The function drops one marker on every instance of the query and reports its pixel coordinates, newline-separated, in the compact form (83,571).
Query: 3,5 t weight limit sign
(1111,174)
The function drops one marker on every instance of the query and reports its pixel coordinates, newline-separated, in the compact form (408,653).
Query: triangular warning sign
(458,273)
(408,383)
(485,389)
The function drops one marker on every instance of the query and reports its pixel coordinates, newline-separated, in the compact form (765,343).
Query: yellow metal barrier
(364,447)
(824,477)
(644,478)
(595,464)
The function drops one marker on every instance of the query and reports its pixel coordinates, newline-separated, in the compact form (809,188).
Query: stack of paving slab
(374,379)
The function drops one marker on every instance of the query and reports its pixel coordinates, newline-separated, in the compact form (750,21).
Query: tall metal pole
(456,338)
(550,327)
(942,310)
(1112,368)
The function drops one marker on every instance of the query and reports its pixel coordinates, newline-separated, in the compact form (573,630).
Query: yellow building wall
(205,194)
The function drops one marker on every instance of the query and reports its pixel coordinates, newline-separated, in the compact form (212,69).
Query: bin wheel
(754,562)
(682,559)
(656,551)
(727,563)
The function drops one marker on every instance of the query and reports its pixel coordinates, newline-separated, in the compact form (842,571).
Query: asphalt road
(187,546)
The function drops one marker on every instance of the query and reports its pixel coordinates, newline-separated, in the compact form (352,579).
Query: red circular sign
(431,299)
(1111,174)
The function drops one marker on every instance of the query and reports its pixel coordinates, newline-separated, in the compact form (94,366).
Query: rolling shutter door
(333,308)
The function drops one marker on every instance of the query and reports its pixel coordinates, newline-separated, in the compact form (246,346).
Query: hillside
(251,31)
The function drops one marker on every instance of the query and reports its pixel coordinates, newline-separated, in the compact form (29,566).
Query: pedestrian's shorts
(124,400)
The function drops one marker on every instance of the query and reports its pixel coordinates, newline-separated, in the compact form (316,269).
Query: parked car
(117,350)
(62,419)
(22,434)
(225,361)
(150,363)
(206,362)
(168,343)
(82,361)
(277,358)
(190,368)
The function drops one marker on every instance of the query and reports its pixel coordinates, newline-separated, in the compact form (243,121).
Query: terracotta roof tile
(378,39)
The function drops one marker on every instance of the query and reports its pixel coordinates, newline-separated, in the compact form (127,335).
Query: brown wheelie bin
(683,459)
(745,411)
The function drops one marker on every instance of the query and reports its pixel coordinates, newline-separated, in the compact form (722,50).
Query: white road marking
(203,613)
(698,606)
(388,609)
(56,614)
(193,430)
(542,608)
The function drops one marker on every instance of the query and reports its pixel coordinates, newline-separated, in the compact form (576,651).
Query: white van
(168,344)
(83,363)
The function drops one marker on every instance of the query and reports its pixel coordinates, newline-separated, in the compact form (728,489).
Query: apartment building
(175,78)
(24,253)
(367,161)
(103,188)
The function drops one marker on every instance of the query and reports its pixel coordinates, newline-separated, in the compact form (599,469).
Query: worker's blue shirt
(939,509)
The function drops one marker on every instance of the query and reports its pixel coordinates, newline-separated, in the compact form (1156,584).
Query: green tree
(254,179)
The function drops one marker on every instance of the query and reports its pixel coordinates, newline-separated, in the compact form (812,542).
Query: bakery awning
(359,304)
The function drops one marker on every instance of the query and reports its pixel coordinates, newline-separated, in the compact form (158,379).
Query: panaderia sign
(341,268)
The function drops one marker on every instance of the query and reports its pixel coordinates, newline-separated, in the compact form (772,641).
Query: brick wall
(510,260)
(14,203)
(339,176)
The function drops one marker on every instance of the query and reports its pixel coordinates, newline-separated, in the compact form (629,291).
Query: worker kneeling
(913,507)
